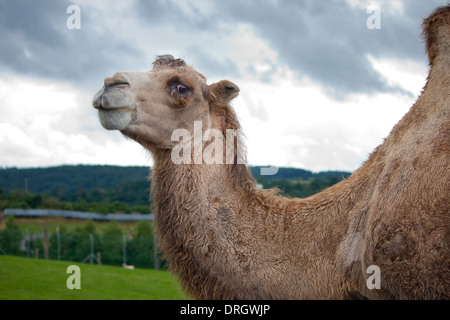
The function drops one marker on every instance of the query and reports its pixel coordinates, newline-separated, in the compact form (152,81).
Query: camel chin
(116,119)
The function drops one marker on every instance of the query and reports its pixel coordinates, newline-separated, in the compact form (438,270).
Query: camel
(382,233)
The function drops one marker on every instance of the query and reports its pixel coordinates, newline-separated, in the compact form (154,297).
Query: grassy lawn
(22,278)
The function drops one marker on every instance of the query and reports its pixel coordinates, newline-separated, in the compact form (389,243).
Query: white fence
(36,213)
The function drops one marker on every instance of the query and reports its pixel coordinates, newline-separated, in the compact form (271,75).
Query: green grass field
(36,279)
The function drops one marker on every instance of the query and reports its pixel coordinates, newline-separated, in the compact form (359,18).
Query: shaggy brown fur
(226,240)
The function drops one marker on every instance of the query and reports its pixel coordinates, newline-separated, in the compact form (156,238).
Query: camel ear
(223,91)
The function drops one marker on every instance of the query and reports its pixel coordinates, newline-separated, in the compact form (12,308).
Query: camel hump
(436,31)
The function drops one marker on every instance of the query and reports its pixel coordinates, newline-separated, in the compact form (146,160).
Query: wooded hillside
(106,189)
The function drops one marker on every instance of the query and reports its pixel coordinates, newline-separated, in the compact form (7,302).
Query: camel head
(149,106)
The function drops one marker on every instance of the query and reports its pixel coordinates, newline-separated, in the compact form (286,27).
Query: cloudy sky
(322,82)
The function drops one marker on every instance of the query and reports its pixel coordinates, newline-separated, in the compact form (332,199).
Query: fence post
(124,250)
(155,254)
(46,245)
(58,249)
(91,256)
(91,237)
(28,240)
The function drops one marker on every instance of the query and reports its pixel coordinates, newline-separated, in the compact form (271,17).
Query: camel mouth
(106,105)
(116,118)
(114,98)
(115,108)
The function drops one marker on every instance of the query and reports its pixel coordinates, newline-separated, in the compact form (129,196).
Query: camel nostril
(97,100)
(97,103)
(116,83)
(118,79)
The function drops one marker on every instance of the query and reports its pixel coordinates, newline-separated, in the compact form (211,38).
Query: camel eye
(181,88)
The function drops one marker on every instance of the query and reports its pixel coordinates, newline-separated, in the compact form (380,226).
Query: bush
(144,228)
(11,236)
(112,244)
(140,252)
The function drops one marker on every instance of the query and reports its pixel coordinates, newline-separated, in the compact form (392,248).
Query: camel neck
(212,222)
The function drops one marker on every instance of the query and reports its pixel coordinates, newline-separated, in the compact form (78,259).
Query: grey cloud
(329,41)
(156,12)
(35,41)
(203,60)
(326,41)
(26,34)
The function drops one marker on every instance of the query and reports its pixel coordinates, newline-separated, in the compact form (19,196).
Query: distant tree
(112,244)
(140,250)
(315,185)
(11,223)
(83,244)
(11,236)
(333,180)
(80,205)
(34,201)
(112,228)
(141,209)
(52,203)
(144,228)
(89,227)
(120,206)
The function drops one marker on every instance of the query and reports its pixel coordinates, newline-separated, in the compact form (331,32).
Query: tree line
(21,199)
(298,188)
(109,189)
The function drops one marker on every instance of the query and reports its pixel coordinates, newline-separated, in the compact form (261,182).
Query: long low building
(37,213)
